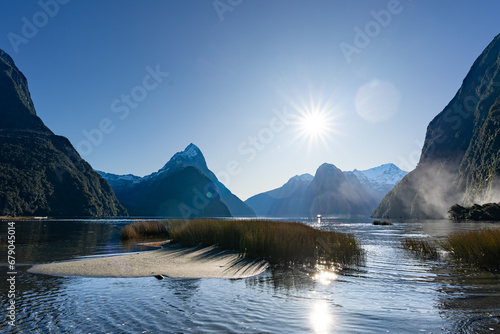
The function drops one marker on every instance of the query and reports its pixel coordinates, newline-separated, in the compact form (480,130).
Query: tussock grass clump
(148,229)
(380,222)
(478,248)
(421,247)
(279,243)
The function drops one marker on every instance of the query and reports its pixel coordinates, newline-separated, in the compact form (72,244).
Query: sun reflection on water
(320,317)
(325,277)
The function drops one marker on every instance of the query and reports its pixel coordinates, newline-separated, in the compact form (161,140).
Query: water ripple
(392,291)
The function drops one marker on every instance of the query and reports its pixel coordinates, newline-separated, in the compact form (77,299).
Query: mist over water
(392,291)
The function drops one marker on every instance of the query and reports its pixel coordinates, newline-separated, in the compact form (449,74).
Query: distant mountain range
(41,174)
(184,187)
(460,160)
(330,192)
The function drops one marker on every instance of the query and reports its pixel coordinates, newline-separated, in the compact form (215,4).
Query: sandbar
(171,260)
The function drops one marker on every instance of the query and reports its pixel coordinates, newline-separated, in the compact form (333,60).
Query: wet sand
(170,261)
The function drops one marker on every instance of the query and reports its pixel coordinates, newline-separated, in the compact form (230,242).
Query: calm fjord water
(391,292)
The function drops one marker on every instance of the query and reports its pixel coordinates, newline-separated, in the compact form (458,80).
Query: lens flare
(377,101)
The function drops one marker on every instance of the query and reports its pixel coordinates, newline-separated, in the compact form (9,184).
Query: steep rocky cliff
(460,160)
(41,174)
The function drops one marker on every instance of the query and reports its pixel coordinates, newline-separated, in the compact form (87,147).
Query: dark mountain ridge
(460,160)
(332,193)
(184,193)
(143,196)
(286,201)
(41,174)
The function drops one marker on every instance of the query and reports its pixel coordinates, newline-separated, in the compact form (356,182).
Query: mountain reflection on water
(391,291)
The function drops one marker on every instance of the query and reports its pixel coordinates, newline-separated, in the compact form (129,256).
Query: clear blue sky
(230,67)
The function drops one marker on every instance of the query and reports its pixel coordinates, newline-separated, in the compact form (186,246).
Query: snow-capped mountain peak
(305,178)
(191,156)
(382,178)
(387,174)
(191,152)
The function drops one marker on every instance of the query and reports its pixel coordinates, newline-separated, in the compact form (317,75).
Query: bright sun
(316,121)
(314,124)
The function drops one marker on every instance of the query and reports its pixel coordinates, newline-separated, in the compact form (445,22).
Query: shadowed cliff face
(460,156)
(16,97)
(331,193)
(41,174)
(184,193)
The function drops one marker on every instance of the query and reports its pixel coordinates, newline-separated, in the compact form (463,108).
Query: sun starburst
(316,122)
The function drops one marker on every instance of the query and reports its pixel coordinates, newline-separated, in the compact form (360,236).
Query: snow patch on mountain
(191,152)
(306,178)
(382,178)
(119,179)
(191,156)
